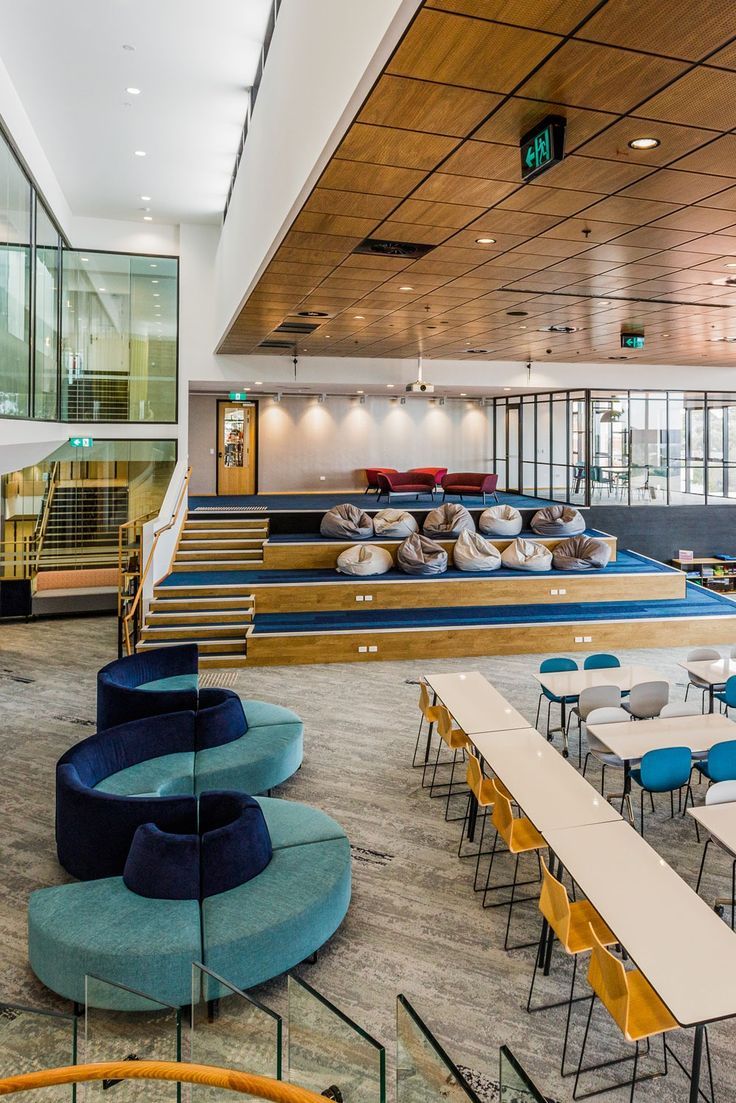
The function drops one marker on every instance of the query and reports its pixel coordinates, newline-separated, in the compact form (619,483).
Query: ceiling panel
(608,238)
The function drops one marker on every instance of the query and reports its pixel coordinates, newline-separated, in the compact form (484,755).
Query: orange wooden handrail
(210,1075)
(144,573)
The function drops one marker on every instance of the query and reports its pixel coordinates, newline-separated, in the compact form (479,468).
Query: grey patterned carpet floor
(414,925)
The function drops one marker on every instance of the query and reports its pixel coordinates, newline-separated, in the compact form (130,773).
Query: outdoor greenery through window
(84,336)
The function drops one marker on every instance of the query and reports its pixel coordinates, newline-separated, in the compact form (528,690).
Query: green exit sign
(81,442)
(238,396)
(542,147)
(632,340)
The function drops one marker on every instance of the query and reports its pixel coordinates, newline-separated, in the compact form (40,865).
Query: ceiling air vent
(297,327)
(276,345)
(407,249)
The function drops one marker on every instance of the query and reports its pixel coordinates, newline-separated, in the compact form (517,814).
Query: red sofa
(405,482)
(371,476)
(470,483)
(437,472)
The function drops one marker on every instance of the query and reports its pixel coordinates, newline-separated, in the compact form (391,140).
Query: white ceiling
(193,62)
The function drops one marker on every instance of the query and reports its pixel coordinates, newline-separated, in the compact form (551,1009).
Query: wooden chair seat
(524,836)
(583,916)
(647,1014)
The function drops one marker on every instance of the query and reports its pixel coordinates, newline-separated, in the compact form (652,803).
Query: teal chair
(553,666)
(664,771)
(720,762)
(601,662)
(727,696)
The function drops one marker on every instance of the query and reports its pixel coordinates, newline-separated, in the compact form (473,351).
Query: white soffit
(193,63)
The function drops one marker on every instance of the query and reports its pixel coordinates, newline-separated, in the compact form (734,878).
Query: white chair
(680,709)
(722,792)
(591,699)
(701,655)
(600,752)
(647,699)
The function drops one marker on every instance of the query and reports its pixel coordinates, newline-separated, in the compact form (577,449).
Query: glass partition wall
(84,336)
(618,447)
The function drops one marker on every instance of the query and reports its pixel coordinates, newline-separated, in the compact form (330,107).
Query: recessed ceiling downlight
(312,314)
(477,352)
(485,241)
(133,91)
(140,152)
(644,143)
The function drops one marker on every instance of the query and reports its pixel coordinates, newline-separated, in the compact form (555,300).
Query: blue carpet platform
(702,616)
(320,503)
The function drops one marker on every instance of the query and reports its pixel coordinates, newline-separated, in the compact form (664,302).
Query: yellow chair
(480,799)
(457,741)
(635,1008)
(570,922)
(521,837)
(429,713)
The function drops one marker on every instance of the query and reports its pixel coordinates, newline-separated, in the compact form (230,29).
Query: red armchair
(467,482)
(405,482)
(371,476)
(438,473)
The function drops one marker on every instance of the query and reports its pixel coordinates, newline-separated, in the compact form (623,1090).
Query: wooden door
(236,453)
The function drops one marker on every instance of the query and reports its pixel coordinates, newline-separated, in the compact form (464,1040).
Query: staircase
(82,526)
(214,613)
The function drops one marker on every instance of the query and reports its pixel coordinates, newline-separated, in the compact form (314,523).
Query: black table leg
(472,817)
(711,699)
(695,1069)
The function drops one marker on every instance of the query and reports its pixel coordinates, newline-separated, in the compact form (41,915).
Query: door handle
(219,455)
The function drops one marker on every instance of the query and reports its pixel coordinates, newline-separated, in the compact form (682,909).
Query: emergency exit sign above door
(542,147)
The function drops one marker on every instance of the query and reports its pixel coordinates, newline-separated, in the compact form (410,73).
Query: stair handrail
(133,523)
(127,619)
(43,521)
(263,1087)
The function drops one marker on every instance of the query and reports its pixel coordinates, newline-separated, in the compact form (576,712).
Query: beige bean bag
(500,521)
(364,559)
(420,556)
(558,521)
(472,552)
(346,522)
(447,521)
(580,553)
(527,555)
(394,524)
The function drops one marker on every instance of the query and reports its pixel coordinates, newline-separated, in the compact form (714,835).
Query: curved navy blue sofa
(153,769)
(251,890)
(164,679)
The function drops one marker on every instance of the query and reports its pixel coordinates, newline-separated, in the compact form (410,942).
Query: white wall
(300,440)
(116,236)
(324,57)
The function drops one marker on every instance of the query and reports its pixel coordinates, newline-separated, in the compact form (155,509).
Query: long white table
(714,672)
(474,703)
(571,683)
(544,785)
(685,951)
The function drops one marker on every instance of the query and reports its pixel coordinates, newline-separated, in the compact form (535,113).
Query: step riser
(219,556)
(176,608)
(206,647)
(186,620)
(185,633)
(218,545)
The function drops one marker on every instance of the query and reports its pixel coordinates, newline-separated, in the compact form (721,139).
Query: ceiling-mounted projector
(419,386)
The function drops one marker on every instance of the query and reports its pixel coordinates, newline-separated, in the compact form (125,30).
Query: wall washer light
(644,143)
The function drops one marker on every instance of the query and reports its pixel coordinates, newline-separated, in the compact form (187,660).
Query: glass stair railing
(228,1041)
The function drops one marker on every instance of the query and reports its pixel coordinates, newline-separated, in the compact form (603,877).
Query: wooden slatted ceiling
(611,237)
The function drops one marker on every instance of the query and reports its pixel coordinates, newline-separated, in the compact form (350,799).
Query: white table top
(571,683)
(713,671)
(543,783)
(719,820)
(474,703)
(632,740)
(678,942)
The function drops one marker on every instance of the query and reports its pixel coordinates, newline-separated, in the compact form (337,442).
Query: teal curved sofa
(247,933)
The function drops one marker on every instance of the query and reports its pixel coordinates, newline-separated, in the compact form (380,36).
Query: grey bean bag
(580,553)
(447,522)
(500,521)
(472,552)
(346,522)
(418,555)
(558,521)
(394,524)
(527,555)
(364,559)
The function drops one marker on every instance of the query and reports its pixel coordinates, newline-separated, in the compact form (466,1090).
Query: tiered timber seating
(291,606)
(211,607)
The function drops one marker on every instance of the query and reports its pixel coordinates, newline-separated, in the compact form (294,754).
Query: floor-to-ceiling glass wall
(15,285)
(46,313)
